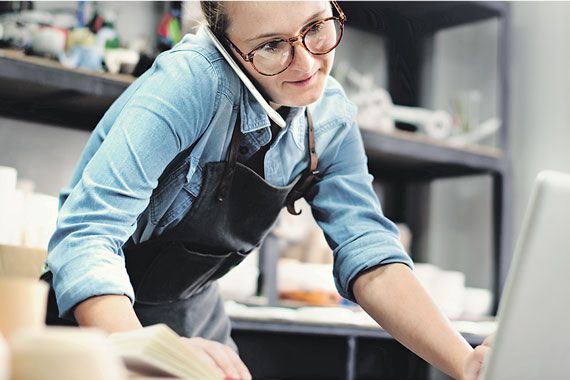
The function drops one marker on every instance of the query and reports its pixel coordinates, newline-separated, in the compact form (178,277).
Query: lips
(304,80)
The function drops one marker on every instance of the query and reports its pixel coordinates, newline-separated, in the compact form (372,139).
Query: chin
(309,99)
(303,99)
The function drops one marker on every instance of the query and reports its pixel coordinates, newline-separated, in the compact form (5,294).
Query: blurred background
(461,104)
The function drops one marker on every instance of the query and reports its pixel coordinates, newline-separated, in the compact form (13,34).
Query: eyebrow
(267,35)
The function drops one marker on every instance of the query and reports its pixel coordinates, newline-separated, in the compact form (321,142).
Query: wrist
(111,313)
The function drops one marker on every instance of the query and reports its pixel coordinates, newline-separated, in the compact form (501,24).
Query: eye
(316,27)
(274,46)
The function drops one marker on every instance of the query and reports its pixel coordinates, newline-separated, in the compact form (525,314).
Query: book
(157,351)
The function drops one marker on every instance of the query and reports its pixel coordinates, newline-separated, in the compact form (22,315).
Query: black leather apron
(173,275)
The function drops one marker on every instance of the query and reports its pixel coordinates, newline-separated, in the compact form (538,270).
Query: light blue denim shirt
(191,96)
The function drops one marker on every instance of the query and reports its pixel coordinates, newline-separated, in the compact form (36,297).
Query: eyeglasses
(275,56)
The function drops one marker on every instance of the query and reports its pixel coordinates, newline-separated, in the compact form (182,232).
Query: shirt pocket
(168,202)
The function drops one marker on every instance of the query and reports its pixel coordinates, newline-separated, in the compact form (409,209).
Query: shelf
(321,351)
(41,89)
(46,72)
(425,17)
(240,324)
(401,155)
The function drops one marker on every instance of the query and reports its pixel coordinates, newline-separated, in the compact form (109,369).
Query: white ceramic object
(8,178)
(114,58)
(477,302)
(293,275)
(448,290)
(436,124)
(8,208)
(446,287)
(4,360)
(49,41)
(40,213)
(375,110)
(64,353)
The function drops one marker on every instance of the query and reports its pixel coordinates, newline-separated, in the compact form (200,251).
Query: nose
(303,60)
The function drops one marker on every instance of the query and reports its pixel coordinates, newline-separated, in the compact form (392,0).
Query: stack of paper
(158,351)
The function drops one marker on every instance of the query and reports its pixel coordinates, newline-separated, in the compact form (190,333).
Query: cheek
(271,86)
(263,83)
(328,61)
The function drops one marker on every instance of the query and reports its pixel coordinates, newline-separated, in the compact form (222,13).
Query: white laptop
(532,341)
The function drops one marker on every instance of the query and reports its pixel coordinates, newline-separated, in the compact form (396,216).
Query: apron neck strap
(236,139)
(313,159)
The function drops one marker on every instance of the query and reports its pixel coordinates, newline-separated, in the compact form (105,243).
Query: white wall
(46,154)
(458,233)
(540,95)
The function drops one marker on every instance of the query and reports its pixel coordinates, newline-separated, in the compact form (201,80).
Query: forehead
(252,18)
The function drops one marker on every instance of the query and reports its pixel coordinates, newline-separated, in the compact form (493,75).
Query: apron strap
(309,175)
(312,150)
(231,162)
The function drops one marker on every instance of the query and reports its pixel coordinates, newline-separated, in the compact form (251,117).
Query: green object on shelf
(174,30)
(112,43)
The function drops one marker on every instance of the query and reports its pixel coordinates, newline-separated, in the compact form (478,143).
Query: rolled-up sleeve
(347,209)
(160,115)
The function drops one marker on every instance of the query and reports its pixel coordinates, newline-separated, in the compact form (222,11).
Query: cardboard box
(21,261)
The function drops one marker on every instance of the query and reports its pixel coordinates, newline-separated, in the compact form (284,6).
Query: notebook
(157,351)
(532,340)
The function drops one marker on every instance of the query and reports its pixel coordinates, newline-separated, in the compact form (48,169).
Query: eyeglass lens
(276,55)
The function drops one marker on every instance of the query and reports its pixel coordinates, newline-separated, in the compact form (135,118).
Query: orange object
(317,298)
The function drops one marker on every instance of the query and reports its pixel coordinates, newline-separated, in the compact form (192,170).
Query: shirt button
(259,131)
(243,149)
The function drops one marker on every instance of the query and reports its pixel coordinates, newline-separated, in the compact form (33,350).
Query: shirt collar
(255,118)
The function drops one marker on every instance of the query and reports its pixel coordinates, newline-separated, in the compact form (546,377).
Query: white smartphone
(274,115)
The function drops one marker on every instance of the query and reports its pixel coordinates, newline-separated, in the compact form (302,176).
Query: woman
(185,174)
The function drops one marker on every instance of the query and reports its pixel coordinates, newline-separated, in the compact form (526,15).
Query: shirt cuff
(84,277)
(366,252)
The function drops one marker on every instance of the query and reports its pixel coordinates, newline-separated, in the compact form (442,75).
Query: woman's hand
(474,361)
(220,356)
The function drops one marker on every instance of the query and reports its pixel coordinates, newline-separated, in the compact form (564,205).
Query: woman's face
(254,22)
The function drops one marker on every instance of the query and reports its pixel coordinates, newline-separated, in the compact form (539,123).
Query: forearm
(110,313)
(392,295)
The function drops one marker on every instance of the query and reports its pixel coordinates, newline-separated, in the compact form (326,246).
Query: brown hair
(215,15)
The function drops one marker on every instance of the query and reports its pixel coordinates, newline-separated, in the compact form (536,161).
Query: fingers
(474,362)
(222,357)
(489,340)
(239,365)
(203,355)
(480,352)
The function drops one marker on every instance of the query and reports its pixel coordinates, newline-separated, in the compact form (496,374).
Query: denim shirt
(131,184)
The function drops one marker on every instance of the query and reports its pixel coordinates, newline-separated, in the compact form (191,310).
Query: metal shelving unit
(411,156)
(403,159)
(42,90)
(318,351)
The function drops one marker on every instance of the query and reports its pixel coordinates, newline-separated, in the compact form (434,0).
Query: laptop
(532,340)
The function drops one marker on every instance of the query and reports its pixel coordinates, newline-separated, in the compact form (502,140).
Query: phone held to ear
(274,115)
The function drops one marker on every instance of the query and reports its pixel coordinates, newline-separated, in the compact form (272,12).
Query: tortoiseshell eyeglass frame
(299,37)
